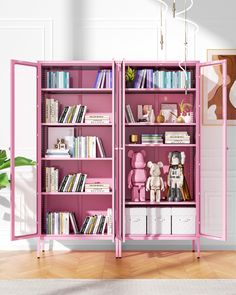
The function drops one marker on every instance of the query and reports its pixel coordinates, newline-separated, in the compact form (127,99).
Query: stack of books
(57,153)
(149,78)
(129,114)
(97,187)
(151,138)
(97,224)
(51,110)
(73,114)
(59,79)
(73,183)
(58,223)
(86,146)
(97,119)
(51,179)
(103,79)
(177,137)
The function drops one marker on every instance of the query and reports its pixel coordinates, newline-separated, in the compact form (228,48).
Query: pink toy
(137,176)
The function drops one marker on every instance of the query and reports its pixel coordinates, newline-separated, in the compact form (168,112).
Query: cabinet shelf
(78,237)
(75,194)
(158,90)
(162,145)
(75,125)
(76,159)
(166,203)
(159,124)
(77,90)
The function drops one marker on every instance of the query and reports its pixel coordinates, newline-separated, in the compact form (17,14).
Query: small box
(159,221)
(183,221)
(136,221)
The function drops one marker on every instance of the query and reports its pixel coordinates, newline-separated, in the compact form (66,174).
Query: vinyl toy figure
(137,175)
(155,182)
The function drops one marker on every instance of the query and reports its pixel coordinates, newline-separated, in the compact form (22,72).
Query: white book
(76,182)
(84,181)
(104,226)
(47,110)
(56,223)
(73,222)
(101,147)
(103,79)
(130,113)
(83,146)
(67,223)
(52,183)
(88,224)
(47,180)
(67,183)
(84,112)
(97,224)
(109,221)
(76,114)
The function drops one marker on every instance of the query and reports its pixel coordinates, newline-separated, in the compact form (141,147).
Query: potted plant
(129,77)
(5,163)
(184,116)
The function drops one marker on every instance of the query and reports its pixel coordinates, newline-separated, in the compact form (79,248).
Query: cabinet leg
(38,248)
(42,245)
(193,245)
(118,248)
(198,248)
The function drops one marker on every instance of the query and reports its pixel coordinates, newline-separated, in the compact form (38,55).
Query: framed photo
(168,109)
(212,87)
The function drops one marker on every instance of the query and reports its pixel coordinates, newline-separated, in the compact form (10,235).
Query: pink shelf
(160,203)
(160,237)
(76,159)
(158,90)
(159,124)
(159,145)
(78,90)
(75,124)
(75,194)
(78,237)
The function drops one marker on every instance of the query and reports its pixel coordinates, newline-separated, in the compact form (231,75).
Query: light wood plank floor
(98,265)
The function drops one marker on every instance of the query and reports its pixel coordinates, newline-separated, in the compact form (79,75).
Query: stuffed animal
(155,182)
(178,188)
(137,175)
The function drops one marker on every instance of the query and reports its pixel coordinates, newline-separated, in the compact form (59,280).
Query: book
(74,223)
(101,147)
(130,114)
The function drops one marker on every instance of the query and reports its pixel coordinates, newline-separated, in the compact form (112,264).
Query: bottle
(152,117)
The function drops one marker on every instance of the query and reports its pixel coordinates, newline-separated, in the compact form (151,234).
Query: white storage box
(135,220)
(159,221)
(183,221)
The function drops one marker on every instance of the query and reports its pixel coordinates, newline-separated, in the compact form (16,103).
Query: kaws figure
(178,189)
(155,182)
(137,176)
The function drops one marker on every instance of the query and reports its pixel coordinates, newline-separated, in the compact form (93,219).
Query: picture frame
(212,86)
(167,109)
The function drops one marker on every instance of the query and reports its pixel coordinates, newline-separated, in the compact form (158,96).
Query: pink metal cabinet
(81,91)
(206,223)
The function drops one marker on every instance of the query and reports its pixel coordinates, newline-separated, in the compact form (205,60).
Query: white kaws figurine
(155,182)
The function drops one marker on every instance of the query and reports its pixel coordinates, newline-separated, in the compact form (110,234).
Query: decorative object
(183,107)
(129,77)
(160,118)
(133,138)
(155,182)
(177,185)
(5,163)
(188,118)
(61,145)
(213,84)
(137,175)
(152,117)
(144,112)
(169,111)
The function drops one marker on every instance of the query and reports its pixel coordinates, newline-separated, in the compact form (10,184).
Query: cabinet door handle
(185,220)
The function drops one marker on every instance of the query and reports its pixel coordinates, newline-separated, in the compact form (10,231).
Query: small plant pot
(129,84)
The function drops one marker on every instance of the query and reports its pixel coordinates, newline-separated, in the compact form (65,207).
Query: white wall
(105,29)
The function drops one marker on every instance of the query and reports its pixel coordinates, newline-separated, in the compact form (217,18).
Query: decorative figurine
(137,175)
(61,145)
(177,186)
(155,182)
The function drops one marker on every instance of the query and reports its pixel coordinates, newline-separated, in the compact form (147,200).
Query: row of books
(73,114)
(177,137)
(51,179)
(149,78)
(73,183)
(129,117)
(86,147)
(51,110)
(97,187)
(58,79)
(103,79)
(151,138)
(58,223)
(97,224)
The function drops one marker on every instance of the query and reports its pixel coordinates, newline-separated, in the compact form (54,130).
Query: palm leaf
(3,180)
(19,161)
(3,156)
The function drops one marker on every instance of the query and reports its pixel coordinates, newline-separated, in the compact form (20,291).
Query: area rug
(115,287)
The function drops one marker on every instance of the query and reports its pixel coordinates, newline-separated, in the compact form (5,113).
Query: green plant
(5,163)
(130,74)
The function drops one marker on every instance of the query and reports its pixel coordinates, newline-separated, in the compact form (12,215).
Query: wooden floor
(97,265)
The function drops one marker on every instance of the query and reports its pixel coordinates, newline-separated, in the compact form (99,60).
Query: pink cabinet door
(24,198)
(213,150)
